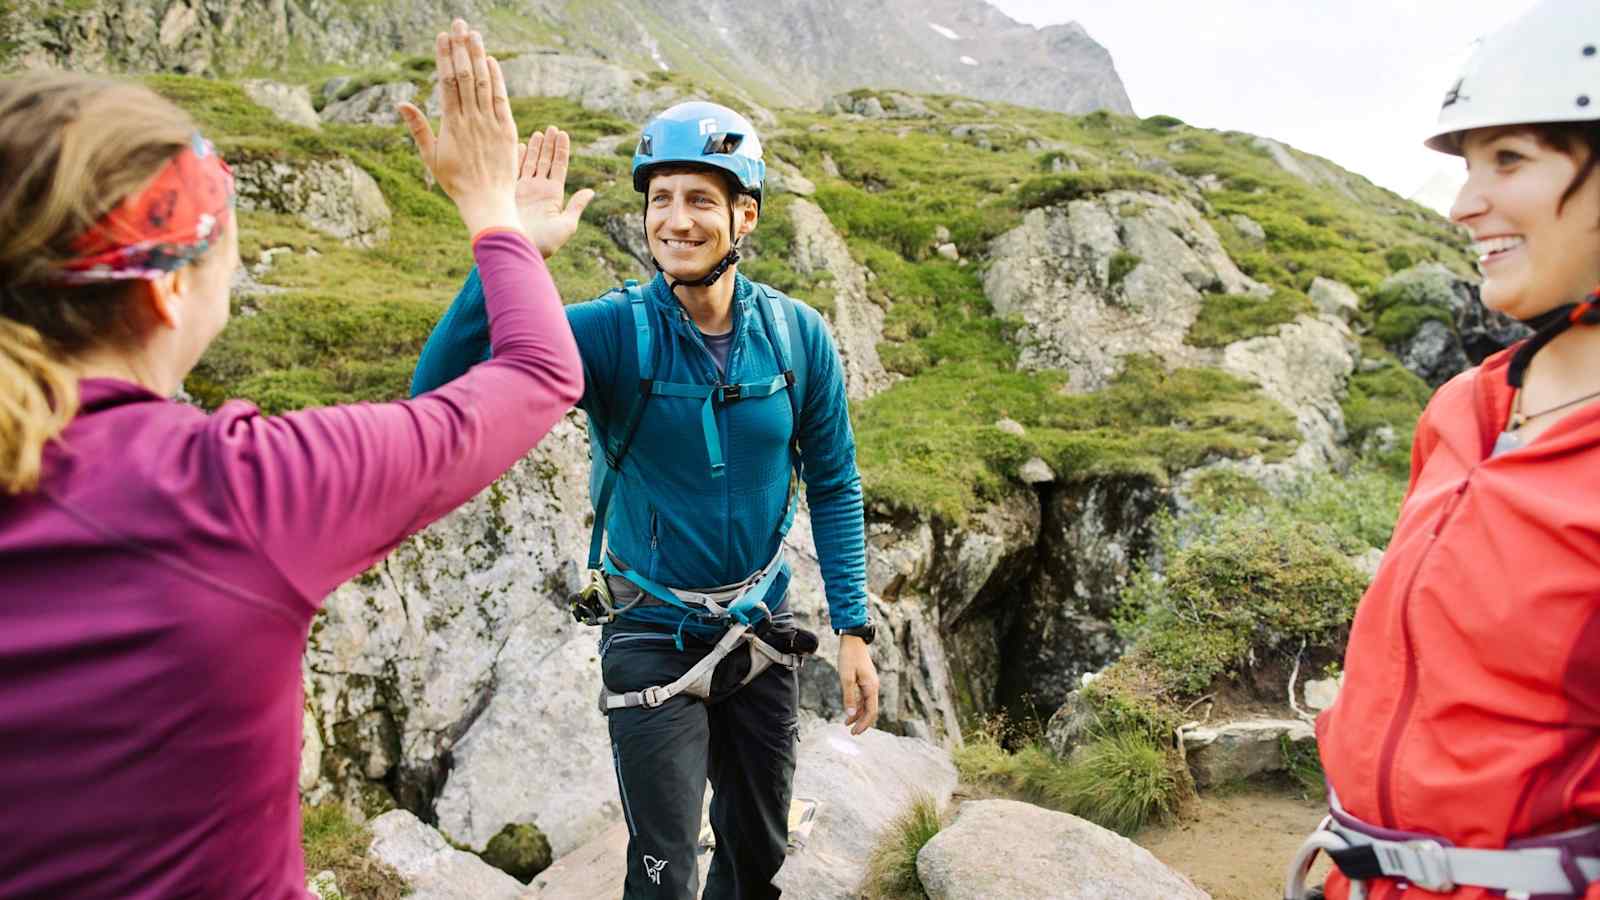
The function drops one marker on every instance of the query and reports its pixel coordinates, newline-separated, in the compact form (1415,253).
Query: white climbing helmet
(1544,67)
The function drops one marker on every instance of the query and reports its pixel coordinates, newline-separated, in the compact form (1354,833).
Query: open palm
(541,190)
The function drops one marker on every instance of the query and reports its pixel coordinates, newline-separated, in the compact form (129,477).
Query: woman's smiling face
(1536,252)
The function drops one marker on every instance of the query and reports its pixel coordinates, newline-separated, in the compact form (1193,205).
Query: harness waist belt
(1548,865)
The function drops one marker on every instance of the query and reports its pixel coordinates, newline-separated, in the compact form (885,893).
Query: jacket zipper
(1408,692)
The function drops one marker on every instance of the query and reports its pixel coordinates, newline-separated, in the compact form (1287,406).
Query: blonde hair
(71,148)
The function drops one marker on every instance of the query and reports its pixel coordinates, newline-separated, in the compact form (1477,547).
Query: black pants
(744,741)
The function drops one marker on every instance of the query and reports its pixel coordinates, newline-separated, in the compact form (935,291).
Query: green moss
(1122,262)
(332,841)
(930,444)
(1226,318)
(1397,324)
(1390,397)
(519,850)
(1056,190)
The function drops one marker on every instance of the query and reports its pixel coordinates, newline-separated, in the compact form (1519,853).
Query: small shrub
(892,870)
(1123,782)
(519,850)
(1303,766)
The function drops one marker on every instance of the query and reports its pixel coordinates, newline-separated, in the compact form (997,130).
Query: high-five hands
(541,184)
(474,157)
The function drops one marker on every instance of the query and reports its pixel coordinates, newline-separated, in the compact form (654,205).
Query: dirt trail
(1237,844)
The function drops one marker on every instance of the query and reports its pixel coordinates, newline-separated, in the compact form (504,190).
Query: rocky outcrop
(1305,367)
(1005,850)
(371,106)
(289,102)
(218,36)
(334,196)
(857,322)
(861,783)
(1333,298)
(1307,168)
(1093,533)
(593,83)
(1055,272)
(431,868)
(1465,333)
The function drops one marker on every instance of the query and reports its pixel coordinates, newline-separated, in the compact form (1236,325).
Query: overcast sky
(1356,81)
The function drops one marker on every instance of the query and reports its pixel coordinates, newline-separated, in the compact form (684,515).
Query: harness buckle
(655,695)
(728,393)
(1424,862)
(592,604)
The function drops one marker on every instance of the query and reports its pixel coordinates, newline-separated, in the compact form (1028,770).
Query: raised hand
(474,157)
(541,185)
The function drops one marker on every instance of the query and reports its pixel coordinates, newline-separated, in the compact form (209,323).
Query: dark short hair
(1569,138)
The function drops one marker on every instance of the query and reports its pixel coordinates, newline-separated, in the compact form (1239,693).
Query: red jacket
(1471,700)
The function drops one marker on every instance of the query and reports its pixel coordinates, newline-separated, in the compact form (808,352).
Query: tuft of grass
(1303,766)
(1122,262)
(1123,782)
(1055,190)
(892,869)
(1225,318)
(332,841)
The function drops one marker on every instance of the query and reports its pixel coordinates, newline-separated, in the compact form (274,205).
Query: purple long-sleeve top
(157,590)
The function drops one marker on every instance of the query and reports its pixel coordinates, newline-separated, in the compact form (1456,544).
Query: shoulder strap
(616,444)
(776,320)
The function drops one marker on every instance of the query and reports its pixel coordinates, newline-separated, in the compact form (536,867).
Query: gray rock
(1433,353)
(1053,271)
(627,231)
(1436,352)
(324,886)
(857,323)
(1238,750)
(334,196)
(1335,298)
(1011,426)
(334,86)
(948,251)
(592,83)
(1248,228)
(1005,850)
(1305,367)
(1036,471)
(371,106)
(1322,692)
(289,102)
(431,868)
(1070,725)
(783,177)
(1367,563)
(861,784)
(941,234)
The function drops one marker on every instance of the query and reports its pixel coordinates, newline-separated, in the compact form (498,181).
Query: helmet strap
(1549,326)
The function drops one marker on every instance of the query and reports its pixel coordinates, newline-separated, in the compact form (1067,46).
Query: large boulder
(857,321)
(431,868)
(1083,314)
(334,196)
(861,784)
(405,660)
(1234,751)
(1005,850)
(1453,329)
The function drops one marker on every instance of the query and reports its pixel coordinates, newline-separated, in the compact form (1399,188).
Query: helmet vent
(1589,50)
(1583,99)
(723,142)
(647,146)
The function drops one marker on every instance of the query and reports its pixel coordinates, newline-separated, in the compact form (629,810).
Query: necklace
(1518,419)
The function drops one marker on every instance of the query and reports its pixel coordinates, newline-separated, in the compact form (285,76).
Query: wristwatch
(866,631)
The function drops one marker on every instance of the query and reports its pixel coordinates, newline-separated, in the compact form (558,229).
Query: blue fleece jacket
(669,517)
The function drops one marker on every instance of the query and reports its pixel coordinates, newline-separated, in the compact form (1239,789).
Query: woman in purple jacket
(159,567)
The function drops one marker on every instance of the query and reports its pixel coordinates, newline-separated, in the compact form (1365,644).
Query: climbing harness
(1554,865)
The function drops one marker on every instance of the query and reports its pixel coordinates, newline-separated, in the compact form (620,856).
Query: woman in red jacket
(159,567)
(1463,754)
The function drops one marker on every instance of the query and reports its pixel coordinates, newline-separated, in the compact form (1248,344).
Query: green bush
(1063,188)
(892,869)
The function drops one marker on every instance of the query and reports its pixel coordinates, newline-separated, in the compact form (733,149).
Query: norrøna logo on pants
(653,867)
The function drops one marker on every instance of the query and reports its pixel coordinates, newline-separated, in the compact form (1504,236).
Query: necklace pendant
(1505,443)
(1517,421)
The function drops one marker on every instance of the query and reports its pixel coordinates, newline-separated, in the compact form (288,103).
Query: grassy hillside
(349,323)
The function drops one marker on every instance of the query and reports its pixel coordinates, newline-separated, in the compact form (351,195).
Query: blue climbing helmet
(701,133)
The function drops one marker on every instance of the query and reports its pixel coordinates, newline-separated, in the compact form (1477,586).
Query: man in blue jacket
(705,393)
